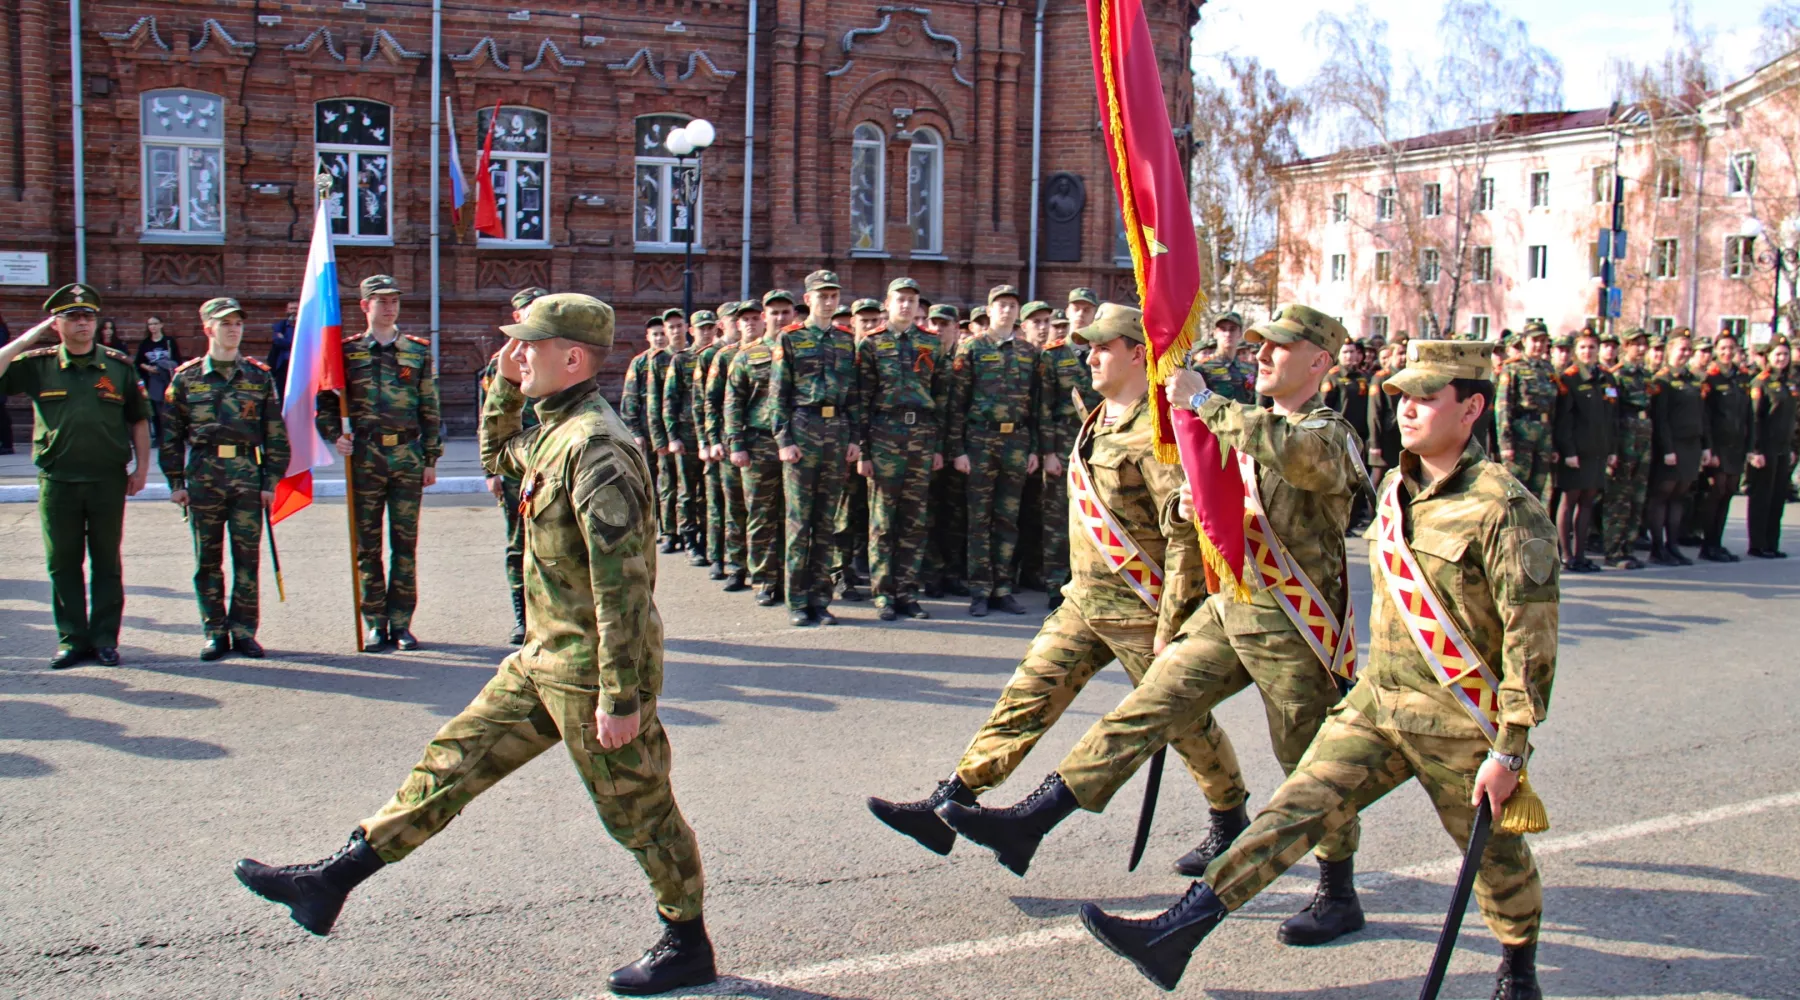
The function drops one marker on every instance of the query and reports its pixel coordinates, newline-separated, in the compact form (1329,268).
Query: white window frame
(1386,200)
(1484,195)
(1340,207)
(511,212)
(1340,267)
(1384,266)
(1537,262)
(181,145)
(354,180)
(1431,200)
(1596,263)
(1379,325)
(1480,326)
(1538,185)
(875,145)
(1603,185)
(1121,242)
(1737,326)
(1662,326)
(1665,258)
(934,145)
(1481,265)
(1668,179)
(1428,328)
(1738,181)
(1430,267)
(1740,257)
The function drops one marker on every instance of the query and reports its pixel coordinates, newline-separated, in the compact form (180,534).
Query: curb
(321,488)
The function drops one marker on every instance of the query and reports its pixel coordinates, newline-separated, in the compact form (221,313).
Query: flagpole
(343,398)
(437,44)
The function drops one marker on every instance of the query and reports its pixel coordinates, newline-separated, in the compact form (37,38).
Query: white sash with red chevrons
(1334,643)
(1099,526)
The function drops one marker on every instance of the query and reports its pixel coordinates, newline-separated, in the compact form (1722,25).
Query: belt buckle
(911,418)
(389,440)
(828,411)
(228,451)
(1006,428)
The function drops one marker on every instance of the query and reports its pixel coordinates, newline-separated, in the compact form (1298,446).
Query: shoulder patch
(417,340)
(189,363)
(1315,423)
(39,352)
(353,338)
(255,362)
(1537,556)
(607,499)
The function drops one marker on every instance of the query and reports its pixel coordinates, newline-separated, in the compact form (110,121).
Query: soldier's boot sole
(923,826)
(1161,946)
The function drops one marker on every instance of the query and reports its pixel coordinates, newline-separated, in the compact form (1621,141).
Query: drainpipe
(749,150)
(1037,147)
(437,109)
(75,140)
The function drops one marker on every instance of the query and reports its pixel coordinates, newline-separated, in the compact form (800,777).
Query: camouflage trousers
(520,714)
(1349,766)
(764,509)
(388,481)
(690,493)
(813,488)
(715,512)
(1200,668)
(214,512)
(515,539)
(1627,485)
(1056,531)
(901,458)
(668,493)
(1068,651)
(947,552)
(731,484)
(1531,462)
(997,465)
(851,525)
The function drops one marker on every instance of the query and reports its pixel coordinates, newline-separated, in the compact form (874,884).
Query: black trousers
(1768,500)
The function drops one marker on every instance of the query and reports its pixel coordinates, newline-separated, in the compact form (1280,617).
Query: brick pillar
(783,56)
(37,103)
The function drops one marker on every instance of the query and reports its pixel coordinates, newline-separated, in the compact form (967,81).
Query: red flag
(1153,197)
(487,209)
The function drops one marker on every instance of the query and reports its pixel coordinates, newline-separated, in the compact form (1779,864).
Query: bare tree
(1243,129)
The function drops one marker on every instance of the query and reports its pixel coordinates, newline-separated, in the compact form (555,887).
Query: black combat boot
(1334,911)
(911,609)
(247,645)
(1013,834)
(767,596)
(518,633)
(718,571)
(682,958)
(214,647)
(376,640)
(1160,946)
(1225,828)
(978,607)
(669,545)
(736,581)
(919,820)
(313,893)
(1517,979)
(696,547)
(1007,603)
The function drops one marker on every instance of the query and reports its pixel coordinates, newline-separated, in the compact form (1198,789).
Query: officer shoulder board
(116,354)
(352,338)
(255,362)
(40,352)
(421,341)
(1054,344)
(189,363)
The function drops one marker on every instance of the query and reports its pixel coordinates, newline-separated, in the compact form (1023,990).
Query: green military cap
(728,308)
(1609,337)
(703,317)
(1779,340)
(219,308)
(1563,340)
(1058,316)
(673,312)
(379,284)
(1535,328)
(75,298)
(1033,307)
(1297,322)
(840,311)
(1000,291)
(944,312)
(865,305)
(1702,343)
(902,283)
(1205,343)
(778,295)
(1230,317)
(1433,364)
(1635,333)
(1110,323)
(1084,295)
(569,315)
(822,279)
(526,296)
(978,313)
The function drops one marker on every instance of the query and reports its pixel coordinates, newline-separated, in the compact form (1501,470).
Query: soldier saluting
(92,417)
(223,449)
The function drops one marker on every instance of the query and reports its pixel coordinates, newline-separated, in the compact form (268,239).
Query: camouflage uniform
(901,390)
(1229,377)
(1628,482)
(668,467)
(1524,404)
(394,420)
(1061,373)
(223,441)
(713,499)
(632,397)
(730,512)
(750,415)
(509,498)
(990,421)
(676,403)
(814,388)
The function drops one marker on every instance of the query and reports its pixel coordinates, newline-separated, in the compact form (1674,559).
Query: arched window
(183,136)
(355,144)
(520,167)
(668,188)
(925,191)
(868,169)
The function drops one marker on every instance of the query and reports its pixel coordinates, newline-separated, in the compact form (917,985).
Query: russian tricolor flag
(316,364)
(459,187)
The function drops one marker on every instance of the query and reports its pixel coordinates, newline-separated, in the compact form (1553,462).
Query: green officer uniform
(1728,416)
(1629,481)
(1061,377)
(750,415)
(990,421)
(88,409)
(395,426)
(732,511)
(224,442)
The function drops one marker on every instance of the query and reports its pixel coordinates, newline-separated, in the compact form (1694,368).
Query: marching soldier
(681,436)
(1298,649)
(1404,718)
(506,491)
(92,418)
(750,416)
(1679,445)
(590,673)
(1629,479)
(1586,418)
(1523,410)
(947,549)
(1728,417)
(1136,573)
(393,444)
(747,318)
(814,377)
(1062,377)
(1772,449)
(990,430)
(223,449)
(700,408)
(903,399)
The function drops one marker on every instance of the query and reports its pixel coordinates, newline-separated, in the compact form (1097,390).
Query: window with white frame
(1537,261)
(1482,264)
(355,145)
(520,170)
(663,219)
(1384,204)
(1737,326)
(1662,326)
(1740,254)
(1665,259)
(1340,207)
(1434,200)
(1740,178)
(1484,195)
(925,191)
(1603,185)
(183,138)
(1595,260)
(1429,269)
(1668,179)
(1378,326)
(868,170)
(1428,326)
(1540,189)
(1479,327)
(1384,266)
(1121,241)
(1340,266)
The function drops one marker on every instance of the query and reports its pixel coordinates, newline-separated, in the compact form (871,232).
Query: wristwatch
(1510,761)
(1197,399)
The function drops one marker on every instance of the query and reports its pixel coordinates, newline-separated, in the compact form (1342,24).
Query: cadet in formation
(678,435)
(92,418)
(1525,411)
(699,406)
(590,672)
(635,396)
(1679,445)
(1728,415)
(947,548)
(504,489)
(392,439)
(747,322)
(1584,428)
(223,449)
(750,415)
(1447,514)
(668,464)
(1060,400)
(1628,482)
(1773,444)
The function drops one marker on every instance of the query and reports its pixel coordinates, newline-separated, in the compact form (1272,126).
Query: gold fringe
(1219,568)
(1524,812)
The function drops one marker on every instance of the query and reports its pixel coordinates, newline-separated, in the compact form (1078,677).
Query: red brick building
(888,140)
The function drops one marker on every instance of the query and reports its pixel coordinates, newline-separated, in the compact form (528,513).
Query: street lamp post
(693,138)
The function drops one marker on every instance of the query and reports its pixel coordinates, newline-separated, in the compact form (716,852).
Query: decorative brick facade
(964,70)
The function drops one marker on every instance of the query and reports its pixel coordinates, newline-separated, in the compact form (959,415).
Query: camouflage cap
(569,315)
(819,280)
(219,308)
(674,312)
(978,314)
(865,305)
(728,308)
(1084,295)
(1702,343)
(944,312)
(1110,323)
(1001,291)
(526,296)
(1034,307)
(840,311)
(1297,322)
(1433,364)
(1535,328)
(902,283)
(1635,333)
(1609,337)
(1058,316)
(703,317)
(654,322)
(75,298)
(778,295)
(1563,340)
(1230,317)
(379,284)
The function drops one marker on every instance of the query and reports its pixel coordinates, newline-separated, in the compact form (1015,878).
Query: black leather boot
(313,893)
(718,571)
(919,820)
(736,581)
(1334,911)
(696,547)
(1518,979)
(518,633)
(681,958)
(1013,834)
(1225,828)
(1160,946)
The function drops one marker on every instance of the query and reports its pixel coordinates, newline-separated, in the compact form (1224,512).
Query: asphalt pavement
(1667,765)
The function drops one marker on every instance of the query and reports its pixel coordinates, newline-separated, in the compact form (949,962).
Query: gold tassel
(1524,812)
